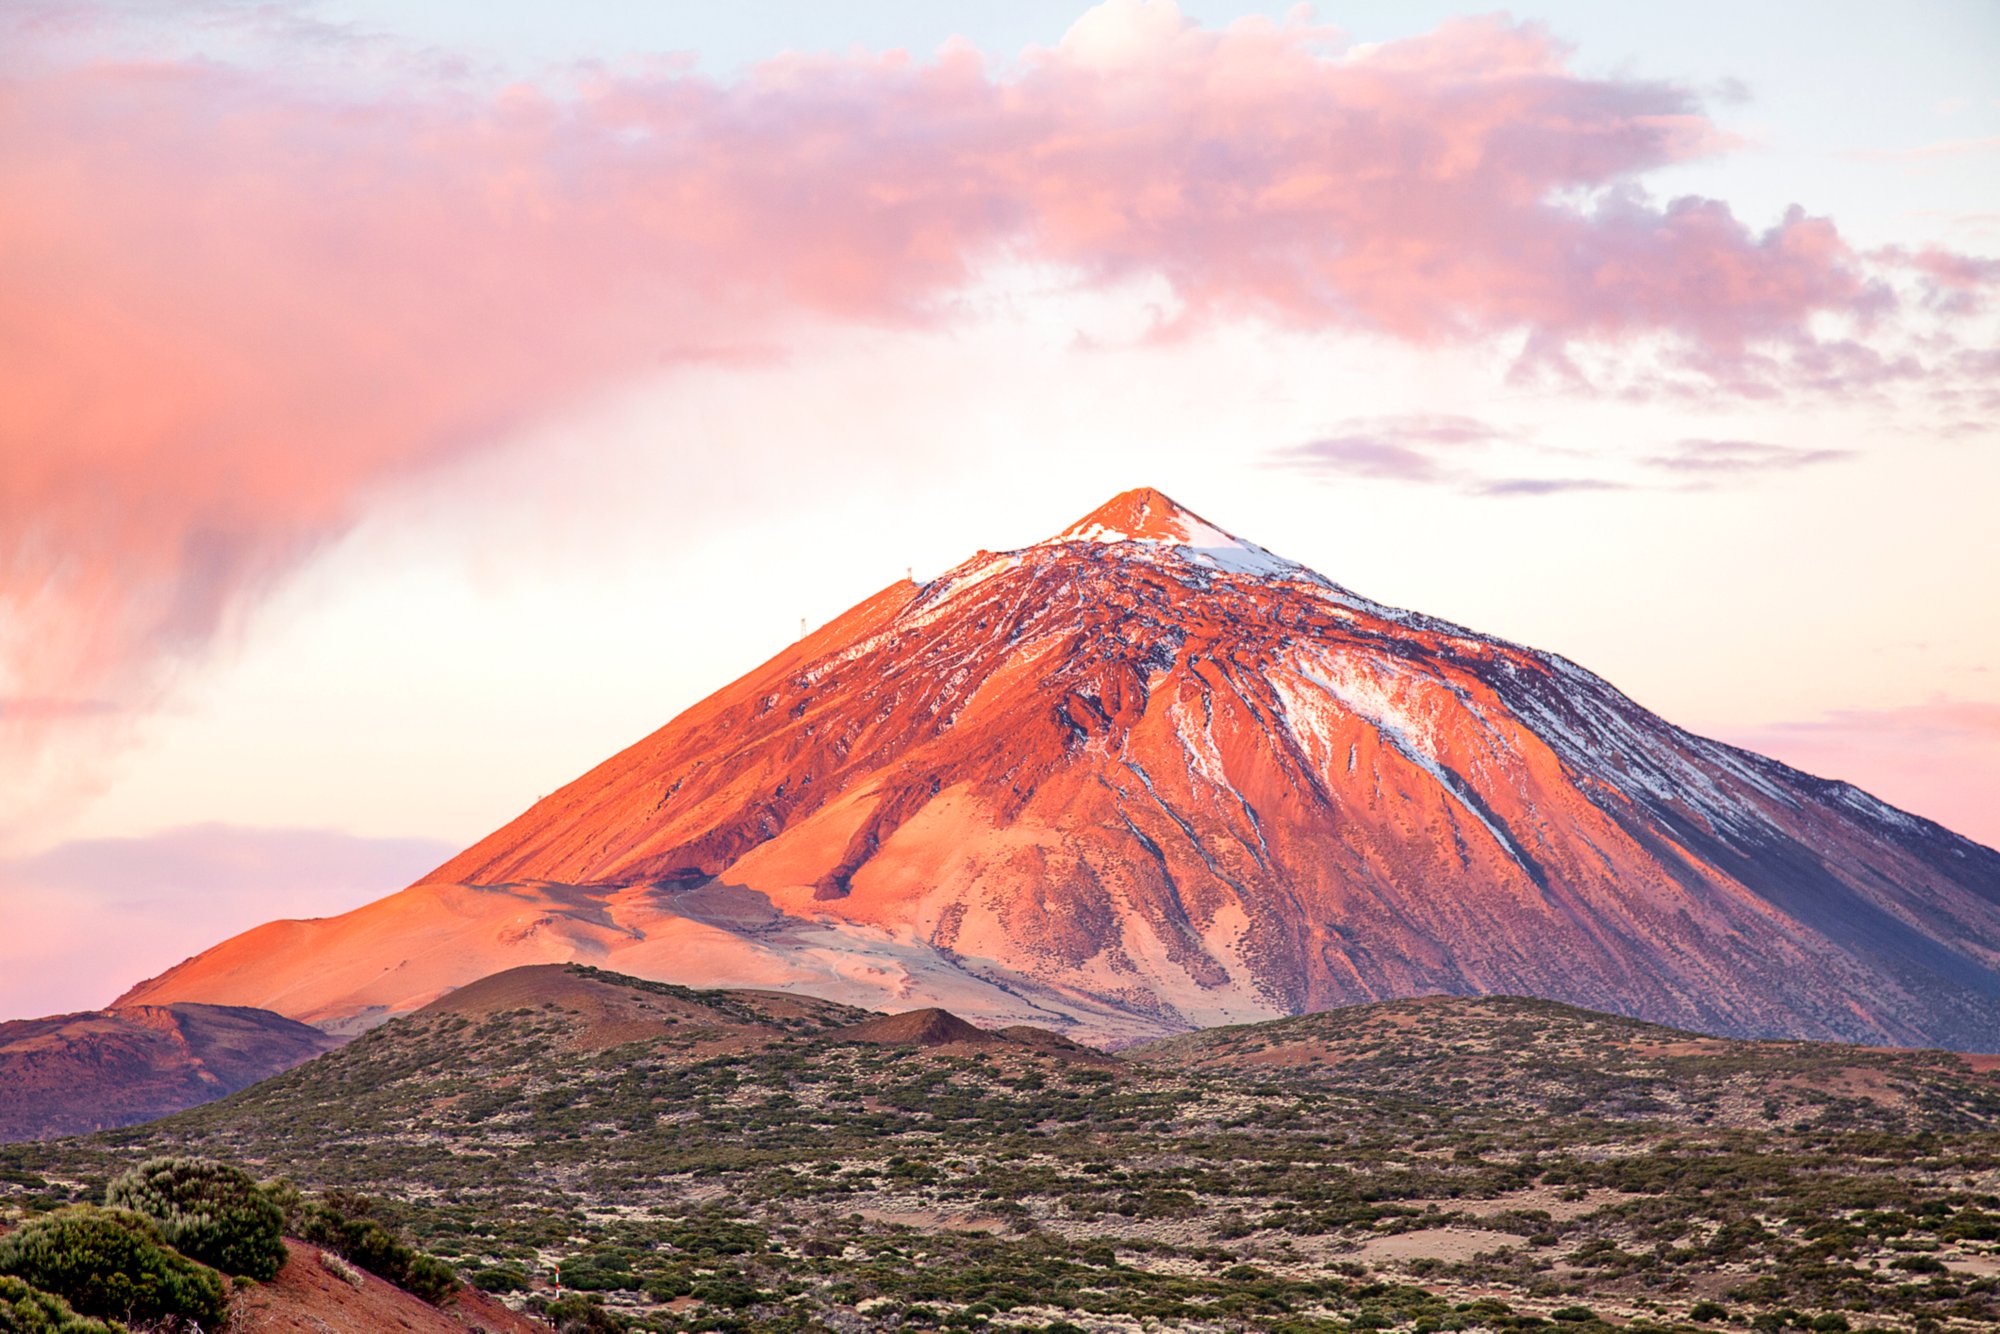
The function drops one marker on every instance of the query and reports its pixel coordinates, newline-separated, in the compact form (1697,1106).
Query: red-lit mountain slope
(1146,776)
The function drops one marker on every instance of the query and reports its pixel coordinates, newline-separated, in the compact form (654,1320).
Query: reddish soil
(606,1014)
(307,1297)
(919,1028)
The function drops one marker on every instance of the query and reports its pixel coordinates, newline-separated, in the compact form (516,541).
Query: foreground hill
(606,1009)
(73,1073)
(737,1167)
(1146,776)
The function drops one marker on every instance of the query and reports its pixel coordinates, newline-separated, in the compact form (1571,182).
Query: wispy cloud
(1948,282)
(1544,486)
(1942,148)
(1365,456)
(1457,453)
(1412,448)
(1736,458)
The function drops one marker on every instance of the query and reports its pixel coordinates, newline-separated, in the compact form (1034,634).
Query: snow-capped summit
(1147,776)
(1152,518)
(1144,515)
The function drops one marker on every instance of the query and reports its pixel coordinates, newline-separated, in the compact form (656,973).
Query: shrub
(430,1278)
(340,1269)
(112,1262)
(506,1278)
(208,1211)
(1920,1264)
(26,1310)
(576,1314)
(340,1223)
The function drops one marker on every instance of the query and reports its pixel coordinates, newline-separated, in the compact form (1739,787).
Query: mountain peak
(1143,515)
(1154,519)
(1145,776)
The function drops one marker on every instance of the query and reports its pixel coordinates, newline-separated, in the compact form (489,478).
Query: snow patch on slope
(1198,544)
(1596,730)
(1372,697)
(1202,756)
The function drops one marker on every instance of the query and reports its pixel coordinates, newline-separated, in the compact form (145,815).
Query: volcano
(1147,776)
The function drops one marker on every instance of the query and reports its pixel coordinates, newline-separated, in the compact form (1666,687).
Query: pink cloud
(1444,451)
(1415,447)
(233,306)
(1940,759)
(87,919)
(1953,283)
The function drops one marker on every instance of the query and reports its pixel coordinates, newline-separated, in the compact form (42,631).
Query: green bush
(207,1211)
(112,1262)
(576,1314)
(430,1278)
(341,1223)
(26,1310)
(506,1278)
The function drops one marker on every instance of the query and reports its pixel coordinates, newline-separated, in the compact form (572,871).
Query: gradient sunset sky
(404,406)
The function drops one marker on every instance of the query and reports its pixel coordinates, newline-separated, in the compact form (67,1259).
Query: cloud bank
(87,919)
(234,305)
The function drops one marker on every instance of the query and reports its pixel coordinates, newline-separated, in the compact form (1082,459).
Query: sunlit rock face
(1147,776)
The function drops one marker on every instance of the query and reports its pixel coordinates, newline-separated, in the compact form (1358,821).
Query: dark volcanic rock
(73,1073)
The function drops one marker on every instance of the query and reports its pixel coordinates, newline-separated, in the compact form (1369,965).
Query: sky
(404,406)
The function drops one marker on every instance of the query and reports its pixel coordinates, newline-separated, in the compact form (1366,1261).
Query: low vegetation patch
(112,1263)
(1428,1167)
(208,1211)
(29,1310)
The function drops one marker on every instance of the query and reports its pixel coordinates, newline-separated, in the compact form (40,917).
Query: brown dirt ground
(308,1298)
